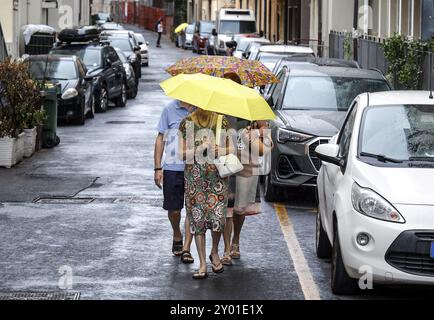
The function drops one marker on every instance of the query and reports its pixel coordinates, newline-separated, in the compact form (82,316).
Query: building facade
(100,6)
(378,19)
(57,14)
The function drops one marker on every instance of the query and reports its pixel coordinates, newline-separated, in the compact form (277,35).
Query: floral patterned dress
(206,193)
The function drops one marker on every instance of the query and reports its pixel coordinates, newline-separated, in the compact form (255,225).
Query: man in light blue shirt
(169,174)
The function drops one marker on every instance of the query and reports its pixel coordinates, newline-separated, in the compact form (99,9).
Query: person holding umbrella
(206,192)
(205,183)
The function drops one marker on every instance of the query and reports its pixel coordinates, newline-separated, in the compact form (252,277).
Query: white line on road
(308,286)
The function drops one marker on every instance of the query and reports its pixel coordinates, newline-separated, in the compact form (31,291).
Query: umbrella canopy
(181,27)
(219,95)
(251,72)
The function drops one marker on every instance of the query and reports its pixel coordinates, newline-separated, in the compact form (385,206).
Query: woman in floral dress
(206,193)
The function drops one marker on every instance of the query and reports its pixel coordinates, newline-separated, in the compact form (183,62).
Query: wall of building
(31,12)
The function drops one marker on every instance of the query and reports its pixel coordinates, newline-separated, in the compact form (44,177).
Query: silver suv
(310,104)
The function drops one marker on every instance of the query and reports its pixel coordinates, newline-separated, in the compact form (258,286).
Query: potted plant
(20,105)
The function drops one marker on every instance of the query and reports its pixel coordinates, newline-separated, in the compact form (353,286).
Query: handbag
(227,165)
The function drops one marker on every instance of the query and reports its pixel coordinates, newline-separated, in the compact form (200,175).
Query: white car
(144,50)
(243,43)
(269,55)
(376,192)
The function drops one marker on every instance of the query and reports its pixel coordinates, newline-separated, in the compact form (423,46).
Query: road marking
(308,286)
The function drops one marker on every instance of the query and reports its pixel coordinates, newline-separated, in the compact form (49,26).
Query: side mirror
(137,48)
(140,43)
(88,78)
(329,153)
(244,54)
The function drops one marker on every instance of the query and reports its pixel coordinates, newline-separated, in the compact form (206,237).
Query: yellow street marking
(308,286)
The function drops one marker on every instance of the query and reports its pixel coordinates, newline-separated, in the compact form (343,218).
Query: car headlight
(69,94)
(127,68)
(284,136)
(371,204)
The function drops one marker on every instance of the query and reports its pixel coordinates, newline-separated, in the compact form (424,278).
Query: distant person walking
(160,30)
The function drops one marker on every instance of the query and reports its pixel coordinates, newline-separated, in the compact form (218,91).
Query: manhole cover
(39,296)
(125,122)
(63,200)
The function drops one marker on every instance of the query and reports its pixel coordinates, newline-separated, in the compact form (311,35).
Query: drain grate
(125,122)
(63,200)
(40,296)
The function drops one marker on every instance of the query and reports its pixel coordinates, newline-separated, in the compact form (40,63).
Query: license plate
(432,250)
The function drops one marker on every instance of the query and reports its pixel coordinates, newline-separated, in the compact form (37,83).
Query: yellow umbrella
(219,95)
(181,27)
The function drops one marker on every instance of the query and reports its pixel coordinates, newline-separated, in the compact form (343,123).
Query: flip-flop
(226,261)
(235,251)
(186,257)
(215,270)
(200,275)
(177,248)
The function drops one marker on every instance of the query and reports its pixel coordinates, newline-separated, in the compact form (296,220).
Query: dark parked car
(104,65)
(132,83)
(76,100)
(130,48)
(101,18)
(310,103)
(202,33)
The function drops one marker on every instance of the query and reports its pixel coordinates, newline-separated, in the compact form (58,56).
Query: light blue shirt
(170,119)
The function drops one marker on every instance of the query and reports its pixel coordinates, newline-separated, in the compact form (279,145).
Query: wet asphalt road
(112,235)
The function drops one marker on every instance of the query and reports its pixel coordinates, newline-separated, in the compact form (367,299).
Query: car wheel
(271,193)
(133,93)
(101,102)
(81,119)
(91,113)
(341,283)
(323,246)
(121,101)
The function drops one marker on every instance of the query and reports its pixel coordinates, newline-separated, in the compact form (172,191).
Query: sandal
(177,248)
(200,275)
(214,269)
(226,260)
(235,251)
(186,257)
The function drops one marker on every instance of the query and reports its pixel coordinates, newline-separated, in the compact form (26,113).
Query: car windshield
(103,16)
(237,27)
(243,44)
(121,55)
(190,29)
(90,57)
(139,38)
(327,93)
(270,59)
(122,43)
(401,132)
(56,70)
(206,27)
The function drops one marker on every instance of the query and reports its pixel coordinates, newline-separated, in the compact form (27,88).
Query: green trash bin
(49,131)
